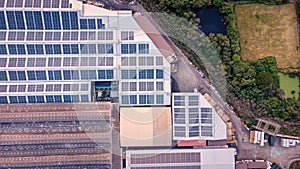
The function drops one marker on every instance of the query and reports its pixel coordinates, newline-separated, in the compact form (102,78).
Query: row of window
(142,99)
(142,74)
(43,99)
(142,61)
(43,87)
(56,75)
(55,49)
(48,20)
(142,86)
(35,3)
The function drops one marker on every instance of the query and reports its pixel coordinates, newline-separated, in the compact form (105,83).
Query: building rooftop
(58,134)
(179,158)
(145,126)
(194,118)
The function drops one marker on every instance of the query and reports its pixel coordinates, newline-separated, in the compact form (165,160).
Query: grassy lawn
(289,84)
(269,30)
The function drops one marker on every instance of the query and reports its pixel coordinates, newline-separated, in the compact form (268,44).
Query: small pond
(211,21)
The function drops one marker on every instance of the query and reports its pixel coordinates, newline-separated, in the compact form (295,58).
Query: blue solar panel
(101,74)
(31,75)
(67,98)
(20,20)
(57,75)
(30,49)
(57,98)
(50,75)
(3,50)
(67,75)
(66,49)
(38,20)
(109,74)
(84,74)
(75,49)
(75,98)
(65,20)
(22,99)
(49,49)
(13,75)
(99,24)
(109,48)
(47,20)
(92,23)
(11,20)
(31,99)
(21,49)
(40,99)
(56,20)
(124,49)
(75,74)
(29,20)
(21,75)
(49,99)
(39,49)
(41,75)
(3,76)
(84,98)
(2,21)
(12,49)
(132,48)
(83,23)
(159,74)
(3,100)
(143,48)
(74,20)
(57,48)
(13,99)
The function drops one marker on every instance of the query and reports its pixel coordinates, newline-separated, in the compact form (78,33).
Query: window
(3,100)
(159,86)
(143,48)
(84,98)
(159,99)
(3,62)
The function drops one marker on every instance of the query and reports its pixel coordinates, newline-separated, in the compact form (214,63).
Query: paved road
(189,78)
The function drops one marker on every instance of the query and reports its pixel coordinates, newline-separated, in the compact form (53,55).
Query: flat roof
(177,158)
(52,133)
(145,126)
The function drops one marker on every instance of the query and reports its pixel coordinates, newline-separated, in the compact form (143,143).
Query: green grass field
(289,84)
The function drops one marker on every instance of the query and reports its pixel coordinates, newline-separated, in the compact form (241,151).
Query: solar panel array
(60,45)
(35,3)
(191,120)
(166,160)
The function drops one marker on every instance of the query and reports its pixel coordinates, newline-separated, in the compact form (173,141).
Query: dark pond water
(211,21)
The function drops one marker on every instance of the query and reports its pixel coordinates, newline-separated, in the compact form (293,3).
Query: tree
(264,80)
